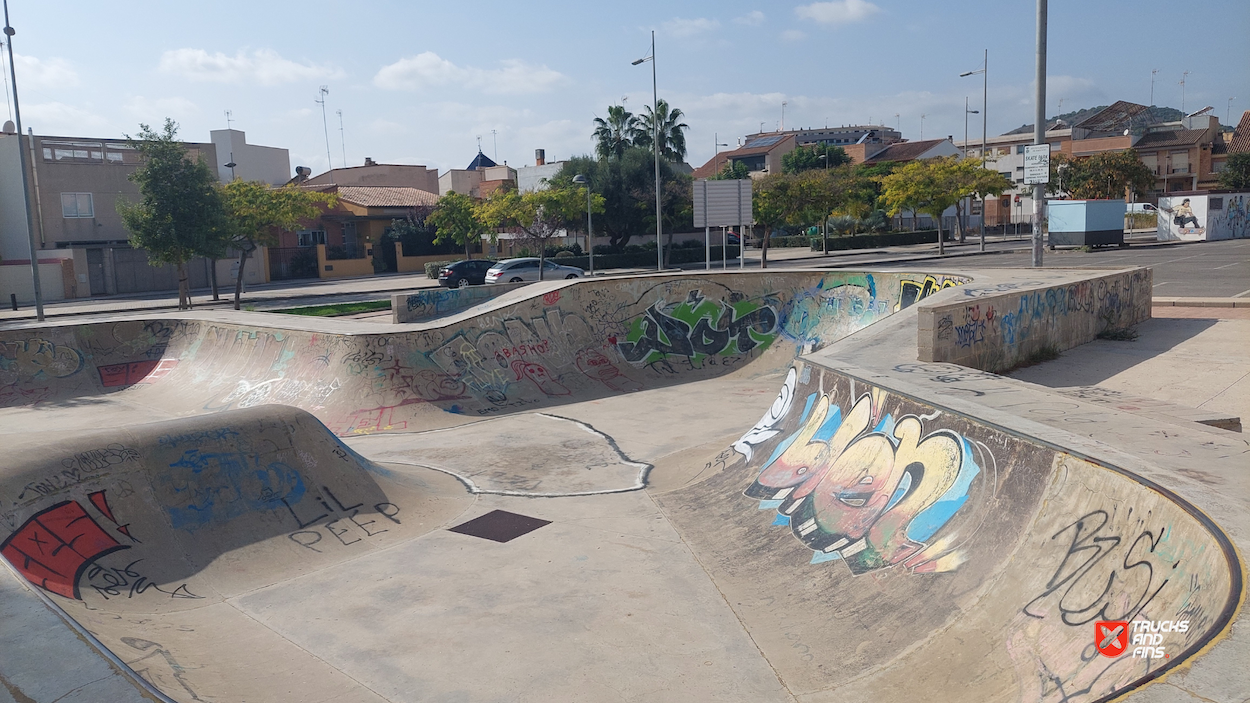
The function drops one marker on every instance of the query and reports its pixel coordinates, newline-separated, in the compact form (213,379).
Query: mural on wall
(1181,216)
(1229,216)
(697,328)
(866,478)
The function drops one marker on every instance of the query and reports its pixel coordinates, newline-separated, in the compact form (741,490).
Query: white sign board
(1036,164)
(722,203)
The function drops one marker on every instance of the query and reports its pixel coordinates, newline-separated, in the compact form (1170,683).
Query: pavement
(735,486)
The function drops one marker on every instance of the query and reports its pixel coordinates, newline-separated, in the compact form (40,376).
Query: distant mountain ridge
(1156,114)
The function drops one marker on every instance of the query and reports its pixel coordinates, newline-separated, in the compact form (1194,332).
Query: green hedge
(871,241)
(790,242)
(646,259)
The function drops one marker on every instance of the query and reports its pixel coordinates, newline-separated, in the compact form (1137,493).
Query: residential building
(465,180)
(379,175)
(74,186)
(496,177)
(760,154)
(1184,155)
(530,178)
(900,152)
(266,164)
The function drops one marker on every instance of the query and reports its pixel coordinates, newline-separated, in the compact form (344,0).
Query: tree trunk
(184,290)
(542,258)
(238,280)
(212,277)
(467,254)
(959,220)
(941,244)
(768,233)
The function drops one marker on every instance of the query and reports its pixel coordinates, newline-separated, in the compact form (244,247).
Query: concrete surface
(258,504)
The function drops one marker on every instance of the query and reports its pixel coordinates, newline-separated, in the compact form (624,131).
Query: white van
(1142,207)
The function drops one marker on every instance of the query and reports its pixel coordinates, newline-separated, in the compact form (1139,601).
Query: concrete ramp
(880,548)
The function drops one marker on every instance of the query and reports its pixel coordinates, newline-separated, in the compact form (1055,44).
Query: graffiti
(945,327)
(220,434)
(341,521)
(78,468)
(539,376)
(551,297)
(698,327)
(278,391)
(1112,592)
(599,367)
(55,546)
(135,372)
(215,487)
(113,582)
(158,666)
(912,292)
(972,331)
(37,359)
(1004,287)
(868,488)
(766,428)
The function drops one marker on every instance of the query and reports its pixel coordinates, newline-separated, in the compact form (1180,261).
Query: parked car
(470,272)
(1142,207)
(526,269)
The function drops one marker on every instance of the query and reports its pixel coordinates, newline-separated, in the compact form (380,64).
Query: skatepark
(793,486)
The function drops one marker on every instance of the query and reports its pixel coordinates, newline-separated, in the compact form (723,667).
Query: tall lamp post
(30,221)
(1039,129)
(966,113)
(581,180)
(655,143)
(985,93)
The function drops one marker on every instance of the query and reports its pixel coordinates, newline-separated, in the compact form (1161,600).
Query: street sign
(722,203)
(1036,164)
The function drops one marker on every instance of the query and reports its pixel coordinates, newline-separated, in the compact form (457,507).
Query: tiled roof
(1176,137)
(1240,141)
(383,196)
(903,151)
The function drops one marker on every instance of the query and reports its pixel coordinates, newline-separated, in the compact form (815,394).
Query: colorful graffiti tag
(54,547)
(862,484)
(698,327)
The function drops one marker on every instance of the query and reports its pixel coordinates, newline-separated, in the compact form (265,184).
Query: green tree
(180,214)
(540,215)
(457,221)
(796,201)
(927,186)
(627,185)
(256,213)
(1236,173)
(968,178)
(806,158)
(614,135)
(672,131)
(732,171)
(1105,176)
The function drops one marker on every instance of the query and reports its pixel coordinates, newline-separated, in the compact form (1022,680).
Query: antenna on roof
(494,140)
(229,114)
(325,127)
(342,139)
(479,143)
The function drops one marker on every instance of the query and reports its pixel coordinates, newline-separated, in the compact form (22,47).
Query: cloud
(750,19)
(262,67)
(429,70)
(59,118)
(793,35)
(679,27)
(155,110)
(44,73)
(837,12)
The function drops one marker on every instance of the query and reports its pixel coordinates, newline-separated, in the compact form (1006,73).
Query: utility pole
(655,143)
(1039,131)
(30,221)
(321,100)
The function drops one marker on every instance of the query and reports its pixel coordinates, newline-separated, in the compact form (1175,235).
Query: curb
(1201,302)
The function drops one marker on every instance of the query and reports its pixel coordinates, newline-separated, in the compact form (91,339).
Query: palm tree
(672,131)
(613,135)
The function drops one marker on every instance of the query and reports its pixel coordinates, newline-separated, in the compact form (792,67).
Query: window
(1020,149)
(77,205)
(309,238)
(1006,174)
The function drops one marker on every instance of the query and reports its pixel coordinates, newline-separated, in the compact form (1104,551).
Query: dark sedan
(470,272)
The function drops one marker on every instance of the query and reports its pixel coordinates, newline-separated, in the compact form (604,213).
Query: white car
(526,269)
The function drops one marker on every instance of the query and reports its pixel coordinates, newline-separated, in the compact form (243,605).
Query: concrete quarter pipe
(260,511)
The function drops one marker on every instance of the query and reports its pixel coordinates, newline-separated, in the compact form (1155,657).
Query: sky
(421,82)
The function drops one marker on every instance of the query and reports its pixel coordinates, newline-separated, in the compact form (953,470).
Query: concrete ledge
(1202,302)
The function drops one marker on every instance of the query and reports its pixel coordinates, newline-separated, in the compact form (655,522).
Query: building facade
(266,164)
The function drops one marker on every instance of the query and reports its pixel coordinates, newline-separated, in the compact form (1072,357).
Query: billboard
(722,203)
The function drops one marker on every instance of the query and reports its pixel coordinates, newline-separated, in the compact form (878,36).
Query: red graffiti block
(551,297)
(129,374)
(55,546)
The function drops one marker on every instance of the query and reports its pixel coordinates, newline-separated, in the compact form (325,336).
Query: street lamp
(985,93)
(30,221)
(655,143)
(966,113)
(581,180)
